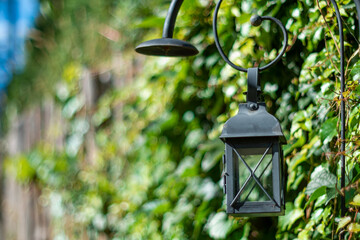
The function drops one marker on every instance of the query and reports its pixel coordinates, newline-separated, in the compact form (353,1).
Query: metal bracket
(252,93)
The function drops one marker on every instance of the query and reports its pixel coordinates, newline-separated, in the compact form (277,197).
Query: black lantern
(253,159)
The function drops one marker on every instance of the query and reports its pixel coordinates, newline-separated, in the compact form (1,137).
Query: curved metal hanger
(255,21)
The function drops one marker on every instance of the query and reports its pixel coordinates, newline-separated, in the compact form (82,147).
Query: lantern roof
(252,123)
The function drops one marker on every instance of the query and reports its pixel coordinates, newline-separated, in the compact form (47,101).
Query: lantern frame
(275,205)
(249,130)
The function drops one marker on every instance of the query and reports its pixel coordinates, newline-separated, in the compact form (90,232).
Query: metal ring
(256,21)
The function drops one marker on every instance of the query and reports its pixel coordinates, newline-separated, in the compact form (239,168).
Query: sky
(17,17)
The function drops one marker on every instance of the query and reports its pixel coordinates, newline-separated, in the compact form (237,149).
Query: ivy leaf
(343,222)
(355,71)
(356,200)
(328,130)
(317,215)
(357,90)
(219,225)
(330,193)
(354,227)
(295,215)
(319,178)
(193,138)
(151,22)
(299,116)
(316,194)
(243,18)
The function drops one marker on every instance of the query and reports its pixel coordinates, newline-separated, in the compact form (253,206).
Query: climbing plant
(157,170)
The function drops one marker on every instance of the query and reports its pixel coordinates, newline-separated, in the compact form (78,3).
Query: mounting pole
(342,111)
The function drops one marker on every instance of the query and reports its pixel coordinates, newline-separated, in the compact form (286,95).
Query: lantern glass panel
(259,160)
(253,172)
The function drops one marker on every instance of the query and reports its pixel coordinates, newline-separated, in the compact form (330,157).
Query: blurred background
(98,142)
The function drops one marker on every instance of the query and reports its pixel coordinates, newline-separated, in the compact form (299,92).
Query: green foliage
(157,170)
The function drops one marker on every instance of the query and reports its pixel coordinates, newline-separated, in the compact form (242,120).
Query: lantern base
(257,209)
(282,213)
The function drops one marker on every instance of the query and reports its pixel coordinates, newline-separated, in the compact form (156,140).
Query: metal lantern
(253,161)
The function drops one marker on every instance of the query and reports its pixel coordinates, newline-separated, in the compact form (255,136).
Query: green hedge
(158,169)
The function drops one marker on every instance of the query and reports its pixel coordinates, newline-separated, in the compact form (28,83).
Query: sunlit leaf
(354,227)
(219,225)
(151,22)
(356,200)
(343,222)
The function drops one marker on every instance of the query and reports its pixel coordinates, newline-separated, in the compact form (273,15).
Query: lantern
(253,160)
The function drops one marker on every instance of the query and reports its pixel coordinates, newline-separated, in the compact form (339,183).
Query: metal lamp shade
(253,179)
(167,46)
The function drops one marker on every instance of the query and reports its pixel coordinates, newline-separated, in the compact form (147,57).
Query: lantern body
(254,182)
(253,179)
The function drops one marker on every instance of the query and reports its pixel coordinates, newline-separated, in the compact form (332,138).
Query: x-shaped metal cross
(252,175)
